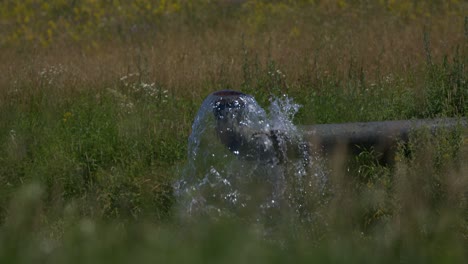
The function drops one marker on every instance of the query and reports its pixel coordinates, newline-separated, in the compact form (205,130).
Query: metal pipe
(232,110)
(382,136)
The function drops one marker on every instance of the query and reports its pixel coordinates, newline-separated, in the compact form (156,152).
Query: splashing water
(246,163)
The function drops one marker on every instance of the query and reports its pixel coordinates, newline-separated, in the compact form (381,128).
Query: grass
(94,128)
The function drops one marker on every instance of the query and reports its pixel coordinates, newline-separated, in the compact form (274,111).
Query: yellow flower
(295,32)
(67,116)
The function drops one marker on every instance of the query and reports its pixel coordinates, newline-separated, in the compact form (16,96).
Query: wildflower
(50,73)
(67,116)
(389,78)
(13,134)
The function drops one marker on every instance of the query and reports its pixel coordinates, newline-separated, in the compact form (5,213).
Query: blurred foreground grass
(95,113)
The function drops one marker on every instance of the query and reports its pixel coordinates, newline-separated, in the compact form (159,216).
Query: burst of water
(244,162)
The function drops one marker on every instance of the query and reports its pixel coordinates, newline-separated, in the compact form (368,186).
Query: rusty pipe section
(382,136)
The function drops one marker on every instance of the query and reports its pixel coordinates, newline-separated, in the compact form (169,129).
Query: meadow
(97,99)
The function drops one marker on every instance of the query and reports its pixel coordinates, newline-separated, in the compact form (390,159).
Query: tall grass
(94,126)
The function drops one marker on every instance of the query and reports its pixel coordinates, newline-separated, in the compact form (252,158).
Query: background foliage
(97,99)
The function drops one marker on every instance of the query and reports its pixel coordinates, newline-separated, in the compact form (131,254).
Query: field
(97,99)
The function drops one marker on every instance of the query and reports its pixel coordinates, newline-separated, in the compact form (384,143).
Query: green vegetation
(97,99)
